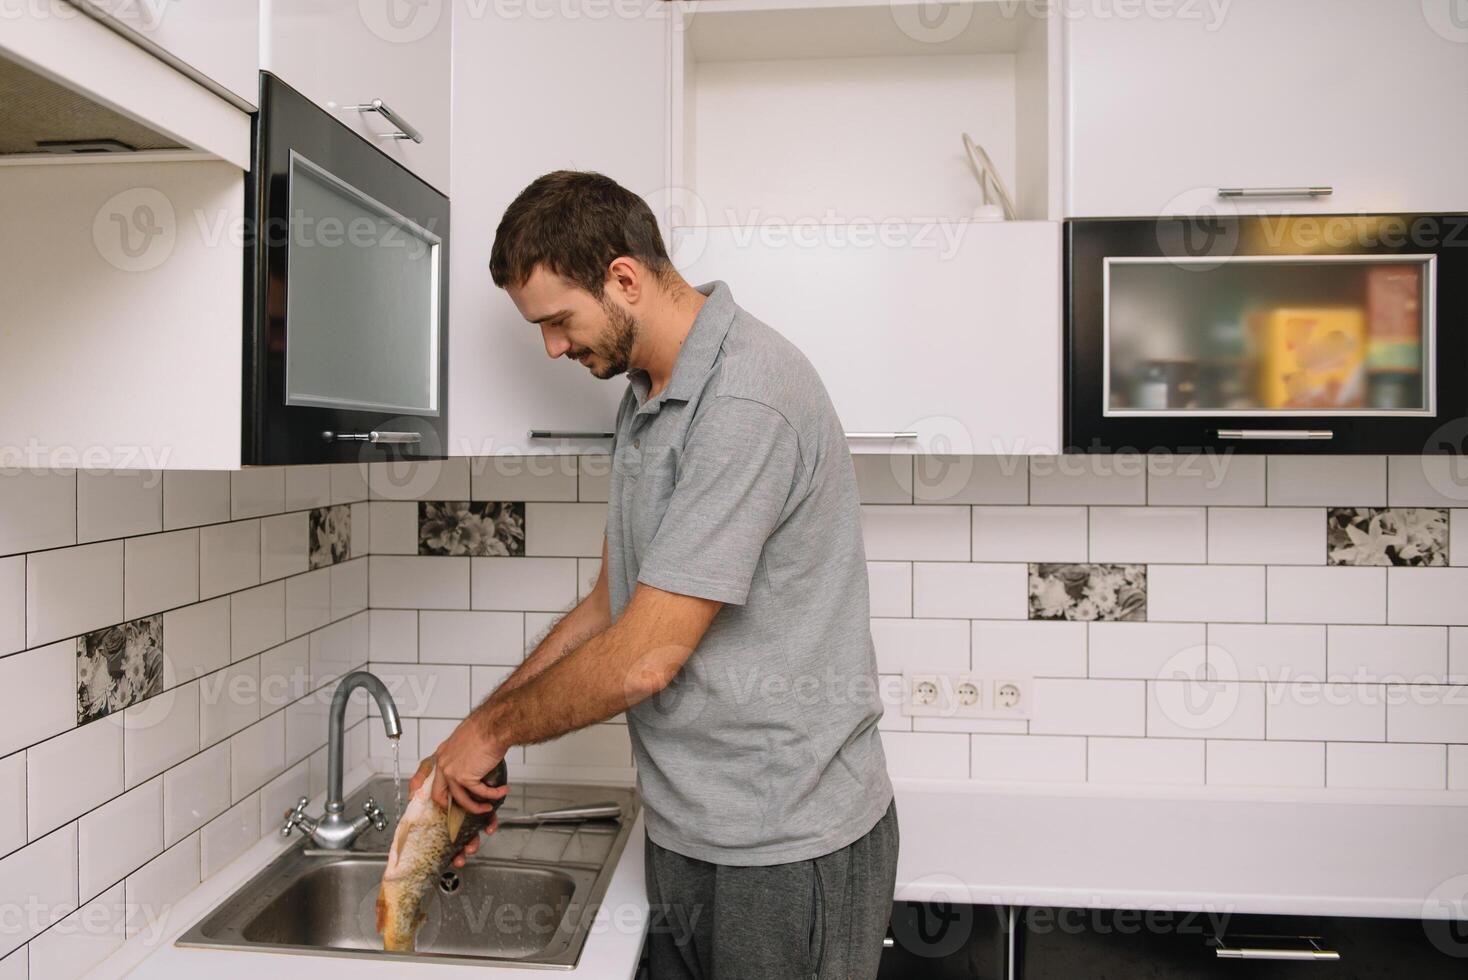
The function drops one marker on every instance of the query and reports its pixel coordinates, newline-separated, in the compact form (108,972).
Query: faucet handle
(296,818)
(375,814)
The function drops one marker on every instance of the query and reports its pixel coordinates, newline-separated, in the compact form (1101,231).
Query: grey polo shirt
(735,483)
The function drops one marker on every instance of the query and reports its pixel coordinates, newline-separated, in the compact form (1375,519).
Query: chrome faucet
(334,830)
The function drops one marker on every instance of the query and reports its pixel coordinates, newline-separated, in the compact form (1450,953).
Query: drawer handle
(882,435)
(405,129)
(380,438)
(1275,191)
(1316,955)
(1295,434)
(569,434)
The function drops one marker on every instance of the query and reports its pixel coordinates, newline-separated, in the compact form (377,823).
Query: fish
(423,847)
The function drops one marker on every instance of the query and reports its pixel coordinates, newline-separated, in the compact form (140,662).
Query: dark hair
(575,224)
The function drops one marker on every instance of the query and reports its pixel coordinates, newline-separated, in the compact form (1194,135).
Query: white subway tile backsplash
(1385,766)
(971,726)
(78,943)
(916,533)
(43,874)
(1254,763)
(394,527)
(285,673)
(482,683)
(195,792)
(155,889)
(1032,648)
(542,477)
(307,487)
(393,635)
(593,479)
(1457,767)
(1327,481)
(196,639)
(889,586)
(599,745)
(1299,594)
(256,755)
(228,835)
(285,541)
(229,557)
(1081,706)
(461,637)
(1051,534)
(921,645)
(119,837)
(1205,479)
(348,483)
(959,590)
(883,478)
(1120,480)
(429,479)
(117,503)
(588,570)
(306,726)
(1260,652)
(1427,595)
(12,604)
(1458,543)
(1325,712)
(1205,593)
(161,731)
(1147,650)
(37,510)
(72,590)
(1426,481)
(926,755)
(1427,713)
(420,582)
(971,479)
(229,700)
(427,690)
(1149,534)
(278,797)
(1458,654)
(307,602)
(360,540)
(1370,654)
(1027,758)
(12,802)
(339,649)
(15,966)
(1266,535)
(37,695)
(348,584)
(195,497)
(70,774)
(160,571)
(1144,760)
(1205,708)
(257,619)
(541,584)
(564,530)
(257,491)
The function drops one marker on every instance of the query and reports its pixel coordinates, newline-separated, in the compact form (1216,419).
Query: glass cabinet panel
(1269,335)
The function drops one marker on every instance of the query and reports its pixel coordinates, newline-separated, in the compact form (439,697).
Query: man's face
(576,325)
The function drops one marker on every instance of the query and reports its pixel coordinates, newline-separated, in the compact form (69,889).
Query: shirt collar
(700,348)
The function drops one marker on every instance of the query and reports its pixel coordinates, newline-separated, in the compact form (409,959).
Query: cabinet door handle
(882,435)
(1250,953)
(569,434)
(405,129)
(1321,191)
(380,438)
(1294,434)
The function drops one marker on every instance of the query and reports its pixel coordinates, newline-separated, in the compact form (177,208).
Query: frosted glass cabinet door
(951,332)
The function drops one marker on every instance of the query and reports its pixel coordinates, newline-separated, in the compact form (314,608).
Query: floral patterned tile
(1387,536)
(477,529)
(331,535)
(1088,592)
(118,666)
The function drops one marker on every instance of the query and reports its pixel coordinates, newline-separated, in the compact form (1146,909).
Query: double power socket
(966,696)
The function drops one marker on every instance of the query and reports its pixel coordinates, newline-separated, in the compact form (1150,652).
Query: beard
(614,348)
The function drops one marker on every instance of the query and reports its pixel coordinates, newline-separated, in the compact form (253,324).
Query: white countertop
(1283,852)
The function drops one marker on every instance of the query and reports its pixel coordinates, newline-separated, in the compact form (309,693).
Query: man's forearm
(586,619)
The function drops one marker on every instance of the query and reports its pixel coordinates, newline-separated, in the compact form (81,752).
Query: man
(730,618)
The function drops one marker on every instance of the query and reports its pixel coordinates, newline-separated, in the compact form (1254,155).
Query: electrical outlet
(965,696)
(1011,698)
(969,693)
(923,696)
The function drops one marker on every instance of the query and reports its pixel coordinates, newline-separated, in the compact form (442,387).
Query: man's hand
(424,769)
(464,758)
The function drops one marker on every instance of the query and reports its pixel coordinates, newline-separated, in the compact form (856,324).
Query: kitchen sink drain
(449,882)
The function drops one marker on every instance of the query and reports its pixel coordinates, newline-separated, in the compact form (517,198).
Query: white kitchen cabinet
(501,384)
(216,40)
(948,331)
(1363,96)
(121,334)
(342,54)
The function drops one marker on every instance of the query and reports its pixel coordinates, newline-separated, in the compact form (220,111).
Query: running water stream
(397,784)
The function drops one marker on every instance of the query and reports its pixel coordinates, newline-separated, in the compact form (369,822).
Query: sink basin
(526,899)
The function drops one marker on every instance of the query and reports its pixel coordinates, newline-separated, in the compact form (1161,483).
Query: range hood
(39,115)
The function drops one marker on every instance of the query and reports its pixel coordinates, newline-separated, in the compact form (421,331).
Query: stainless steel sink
(526,899)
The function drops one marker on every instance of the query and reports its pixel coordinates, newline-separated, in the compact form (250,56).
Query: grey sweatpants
(820,919)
